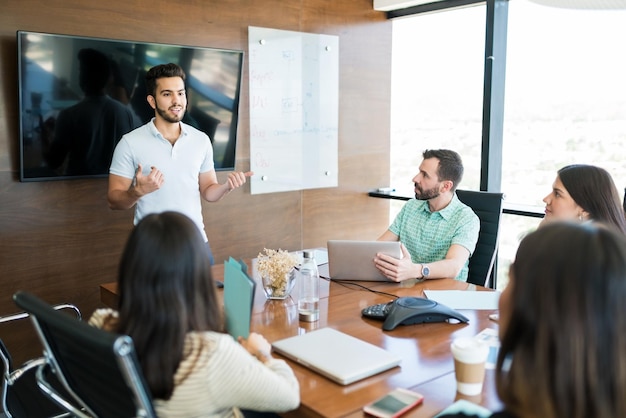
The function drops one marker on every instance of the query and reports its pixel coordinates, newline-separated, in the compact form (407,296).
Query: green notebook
(239,289)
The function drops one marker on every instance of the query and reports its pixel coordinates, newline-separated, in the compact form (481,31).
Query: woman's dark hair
(593,189)
(563,351)
(166,290)
(450,165)
(162,71)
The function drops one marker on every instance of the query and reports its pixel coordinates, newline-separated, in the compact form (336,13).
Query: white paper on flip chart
(464,299)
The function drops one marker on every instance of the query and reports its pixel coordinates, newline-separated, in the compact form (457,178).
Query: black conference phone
(411,310)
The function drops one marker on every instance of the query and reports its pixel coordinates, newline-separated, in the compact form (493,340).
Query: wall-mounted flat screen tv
(63,78)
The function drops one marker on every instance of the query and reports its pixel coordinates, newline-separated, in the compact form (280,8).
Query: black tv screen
(57,72)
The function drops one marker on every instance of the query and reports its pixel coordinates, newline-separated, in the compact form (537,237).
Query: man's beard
(426,194)
(167,117)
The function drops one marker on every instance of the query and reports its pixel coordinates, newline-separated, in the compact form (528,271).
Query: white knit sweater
(217,377)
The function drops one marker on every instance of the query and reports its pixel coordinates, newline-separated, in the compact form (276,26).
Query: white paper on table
(464,299)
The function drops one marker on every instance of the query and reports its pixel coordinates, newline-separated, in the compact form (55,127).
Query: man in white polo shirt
(438,233)
(166,165)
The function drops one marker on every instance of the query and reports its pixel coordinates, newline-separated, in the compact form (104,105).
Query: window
(565,100)
(565,96)
(437,92)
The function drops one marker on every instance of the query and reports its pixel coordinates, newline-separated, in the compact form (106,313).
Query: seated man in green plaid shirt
(438,233)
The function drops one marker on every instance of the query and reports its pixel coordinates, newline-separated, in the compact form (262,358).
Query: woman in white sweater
(168,305)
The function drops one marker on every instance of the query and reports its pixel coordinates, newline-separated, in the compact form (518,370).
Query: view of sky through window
(565,100)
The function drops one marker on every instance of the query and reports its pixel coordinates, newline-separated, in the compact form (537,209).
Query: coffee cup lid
(470,350)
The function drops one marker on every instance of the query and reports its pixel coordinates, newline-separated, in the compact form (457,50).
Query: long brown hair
(593,189)
(166,290)
(563,349)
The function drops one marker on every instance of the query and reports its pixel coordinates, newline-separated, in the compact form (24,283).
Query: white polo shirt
(181,164)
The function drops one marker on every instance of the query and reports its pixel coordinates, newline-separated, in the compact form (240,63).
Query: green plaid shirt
(428,235)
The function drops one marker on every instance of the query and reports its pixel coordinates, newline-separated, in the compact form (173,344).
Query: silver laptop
(354,260)
(340,357)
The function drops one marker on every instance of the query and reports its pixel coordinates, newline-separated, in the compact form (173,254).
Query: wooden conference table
(427,365)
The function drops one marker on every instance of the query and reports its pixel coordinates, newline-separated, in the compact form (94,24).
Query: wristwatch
(425,271)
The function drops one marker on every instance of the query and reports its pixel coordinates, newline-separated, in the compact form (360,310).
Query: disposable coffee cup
(470,356)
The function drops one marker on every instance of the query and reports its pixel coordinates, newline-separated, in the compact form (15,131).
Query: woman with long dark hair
(168,305)
(562,325)
(585,193)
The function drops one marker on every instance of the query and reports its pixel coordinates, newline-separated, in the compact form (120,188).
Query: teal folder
(239,289)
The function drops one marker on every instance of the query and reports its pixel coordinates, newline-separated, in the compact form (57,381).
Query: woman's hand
(258,346)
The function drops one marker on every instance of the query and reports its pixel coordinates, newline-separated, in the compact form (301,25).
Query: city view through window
(565,100)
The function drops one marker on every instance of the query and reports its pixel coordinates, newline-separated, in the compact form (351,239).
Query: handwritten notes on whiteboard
(294,105)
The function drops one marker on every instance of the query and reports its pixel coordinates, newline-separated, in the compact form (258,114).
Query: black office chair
(21,396)
(98,368)
(488,208)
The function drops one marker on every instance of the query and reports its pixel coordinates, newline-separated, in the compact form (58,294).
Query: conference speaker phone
(411,310)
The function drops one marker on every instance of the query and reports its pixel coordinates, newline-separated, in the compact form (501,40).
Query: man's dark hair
(162,71)
(450,165)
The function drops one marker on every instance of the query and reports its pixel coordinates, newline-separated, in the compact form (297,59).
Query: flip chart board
(294,105)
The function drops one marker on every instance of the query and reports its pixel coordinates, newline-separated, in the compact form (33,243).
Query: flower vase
(279,287)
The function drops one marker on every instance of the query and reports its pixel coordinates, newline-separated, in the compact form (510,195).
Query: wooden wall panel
(59,240)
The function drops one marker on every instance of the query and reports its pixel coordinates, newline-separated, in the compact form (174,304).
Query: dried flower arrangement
(274,267)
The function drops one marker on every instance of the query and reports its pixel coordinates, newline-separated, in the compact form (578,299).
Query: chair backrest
(488,207)
(98,368)
(21,396)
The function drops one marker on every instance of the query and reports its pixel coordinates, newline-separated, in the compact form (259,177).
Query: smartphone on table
(394,404)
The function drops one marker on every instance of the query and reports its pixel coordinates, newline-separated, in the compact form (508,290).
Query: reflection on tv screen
(79,95)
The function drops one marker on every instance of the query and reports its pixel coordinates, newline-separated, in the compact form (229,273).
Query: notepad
(337,356)
(239,289)
(463,299)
